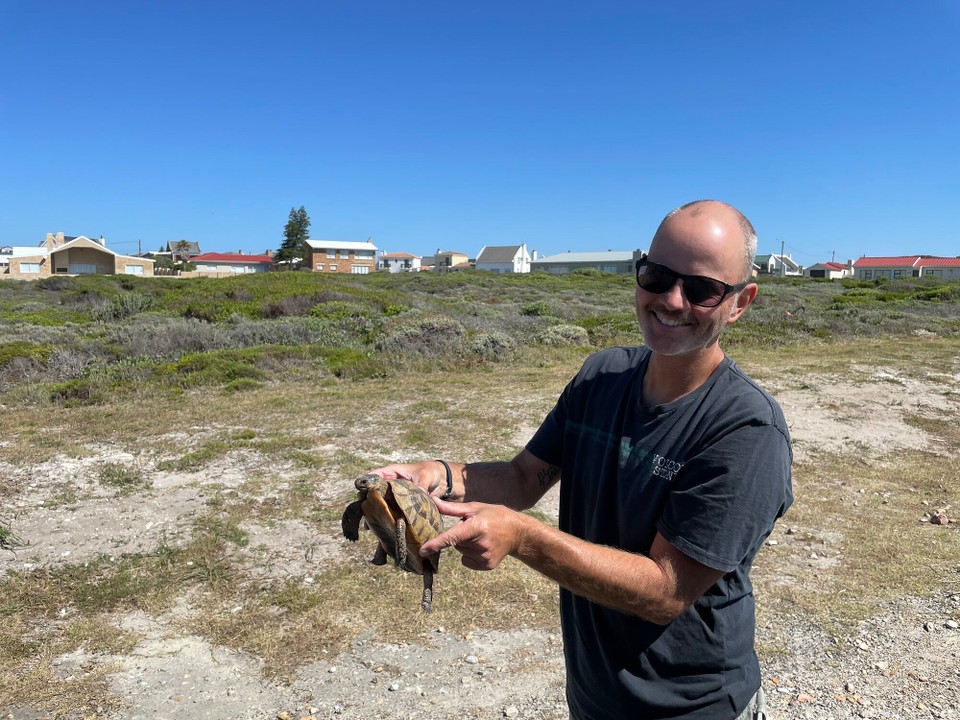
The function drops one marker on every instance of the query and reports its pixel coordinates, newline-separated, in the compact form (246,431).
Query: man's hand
(430,475)
(485,535)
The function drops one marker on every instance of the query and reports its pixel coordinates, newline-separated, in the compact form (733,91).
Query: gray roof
(498,254)
(586,257)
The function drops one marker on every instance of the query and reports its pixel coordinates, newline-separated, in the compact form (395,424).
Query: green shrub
(540,308)
(352,364)
(493,346)
(423,336)
(23,349)
(564,335)
(78,392)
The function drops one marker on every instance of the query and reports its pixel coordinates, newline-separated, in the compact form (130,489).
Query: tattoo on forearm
(548,476)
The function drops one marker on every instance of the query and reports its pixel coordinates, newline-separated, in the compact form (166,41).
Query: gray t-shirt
(711,473)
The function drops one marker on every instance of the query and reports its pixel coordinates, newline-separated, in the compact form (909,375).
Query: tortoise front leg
(427,603)
(401,542)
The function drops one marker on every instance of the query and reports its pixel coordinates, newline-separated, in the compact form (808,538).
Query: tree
(293,248)
(182,251)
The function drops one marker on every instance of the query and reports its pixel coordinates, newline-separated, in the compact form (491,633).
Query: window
(83,268)
(29,267)
(364,255)
(868,274)
(133,269)
(319,267)
(333,268)
(897,273)
(331,253)
(360,269)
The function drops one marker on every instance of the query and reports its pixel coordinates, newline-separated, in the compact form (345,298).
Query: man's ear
(744,298)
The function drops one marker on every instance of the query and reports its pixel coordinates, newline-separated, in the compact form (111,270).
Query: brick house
(342,256)
(61,254)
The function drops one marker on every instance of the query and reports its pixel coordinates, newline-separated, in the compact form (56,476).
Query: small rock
(393,687)
(511,712)
(471,659)
(952,624)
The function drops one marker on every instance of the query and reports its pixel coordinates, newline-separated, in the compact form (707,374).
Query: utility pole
(783,268)
(833,256)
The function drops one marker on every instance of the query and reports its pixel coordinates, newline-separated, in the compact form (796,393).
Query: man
(673,467)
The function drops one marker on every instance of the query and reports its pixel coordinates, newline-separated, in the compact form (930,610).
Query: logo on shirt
(665,467)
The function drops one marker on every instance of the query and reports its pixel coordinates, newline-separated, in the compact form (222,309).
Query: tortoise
(403,517)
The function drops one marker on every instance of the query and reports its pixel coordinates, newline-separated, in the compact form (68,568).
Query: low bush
(493,346)
(422,336)
(564,335)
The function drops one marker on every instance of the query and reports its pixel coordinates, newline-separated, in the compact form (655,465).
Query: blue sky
(834,126)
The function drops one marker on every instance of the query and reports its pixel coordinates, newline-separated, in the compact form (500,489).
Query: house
(342,256)
(892,268)
(450,261)
(61,254)
(399,262)
(612,261)
(782,265)
(504,259)
(829,270)
(227,264)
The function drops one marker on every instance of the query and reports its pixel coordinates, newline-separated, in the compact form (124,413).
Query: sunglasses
(699,290)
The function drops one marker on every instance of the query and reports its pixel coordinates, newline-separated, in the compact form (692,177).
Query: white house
(782,265)
(400,262)
(893,268)
(504,259)
(612,261)
(221,264)
(829,270)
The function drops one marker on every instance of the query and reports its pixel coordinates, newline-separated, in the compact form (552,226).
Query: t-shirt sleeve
(724,501)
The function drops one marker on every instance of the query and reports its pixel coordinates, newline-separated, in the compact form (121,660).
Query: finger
(452,537)
(453,509)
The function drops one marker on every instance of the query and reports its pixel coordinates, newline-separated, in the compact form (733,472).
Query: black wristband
(449,493)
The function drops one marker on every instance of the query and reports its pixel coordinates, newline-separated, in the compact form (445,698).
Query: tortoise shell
(403,517)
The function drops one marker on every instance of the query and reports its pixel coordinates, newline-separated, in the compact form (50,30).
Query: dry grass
(307,440)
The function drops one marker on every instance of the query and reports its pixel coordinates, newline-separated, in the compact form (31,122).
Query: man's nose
(674,297)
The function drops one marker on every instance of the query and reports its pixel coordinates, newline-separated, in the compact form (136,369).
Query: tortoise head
(369,482)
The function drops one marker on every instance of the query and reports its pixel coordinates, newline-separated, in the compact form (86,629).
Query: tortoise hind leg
(401,559)
(427,603)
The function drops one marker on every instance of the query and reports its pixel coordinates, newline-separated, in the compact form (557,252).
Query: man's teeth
(672,322)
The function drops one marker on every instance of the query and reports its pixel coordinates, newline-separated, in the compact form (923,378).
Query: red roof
(901,261)
(834,265)
(232,258)
(907,261)
(940,262)
(399,256)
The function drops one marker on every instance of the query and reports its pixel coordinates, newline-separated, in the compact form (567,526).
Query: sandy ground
(485,674)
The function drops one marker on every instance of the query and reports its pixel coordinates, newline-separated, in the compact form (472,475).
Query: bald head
(721,210)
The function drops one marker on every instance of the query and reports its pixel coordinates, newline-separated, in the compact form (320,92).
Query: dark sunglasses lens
(655,278)
(703,291)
